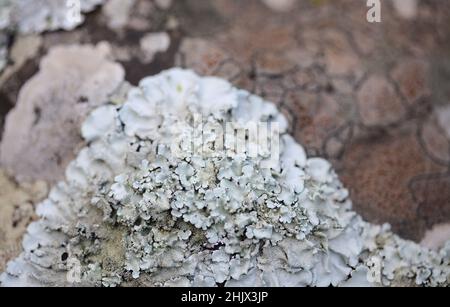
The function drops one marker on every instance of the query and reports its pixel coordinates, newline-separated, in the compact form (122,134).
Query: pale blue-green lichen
(37,16)
(141,206)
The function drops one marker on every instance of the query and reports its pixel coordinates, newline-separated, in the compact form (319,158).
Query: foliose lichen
(142,206)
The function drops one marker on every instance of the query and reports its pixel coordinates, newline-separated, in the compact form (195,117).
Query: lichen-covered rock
(37,16)
(23,49)
(153,43)
(5,13)
(51,107)
(437,236)
(153,200)
(407,9)
(3,51)
(16,212)
(117,13)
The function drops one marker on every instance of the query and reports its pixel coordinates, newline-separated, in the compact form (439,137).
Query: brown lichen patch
(16,212)
(202,56)
(378,171)
(318,116)
(112,252)
(23,49)
(340,57)
(410,76)
(432,194)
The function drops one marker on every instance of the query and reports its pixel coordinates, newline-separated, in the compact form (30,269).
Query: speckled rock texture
(33,16)
(16,212)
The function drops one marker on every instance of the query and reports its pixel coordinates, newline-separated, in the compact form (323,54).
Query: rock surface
(16,212)
(41,132)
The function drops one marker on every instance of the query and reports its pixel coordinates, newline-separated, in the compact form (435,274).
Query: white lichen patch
(407,9)
(437,236)
(16,212)
(35,16)
(52,105)
(141,206)
(24,48)
(3,51)
(153,43)
(5,13)
(117,13)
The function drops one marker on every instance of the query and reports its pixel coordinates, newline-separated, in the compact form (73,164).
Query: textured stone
(410,76)
(380,170)
(16,212)
(201,55)
(378,103)
(41,131)
(163,4)
(318,117)
(434,140)
(23,49)
(340,57)
(432,194)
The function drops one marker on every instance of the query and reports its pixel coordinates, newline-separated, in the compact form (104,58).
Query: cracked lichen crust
(141,206)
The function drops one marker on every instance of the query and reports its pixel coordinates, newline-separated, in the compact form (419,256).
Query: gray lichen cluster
(37,16)
(3,51)
(141,206)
